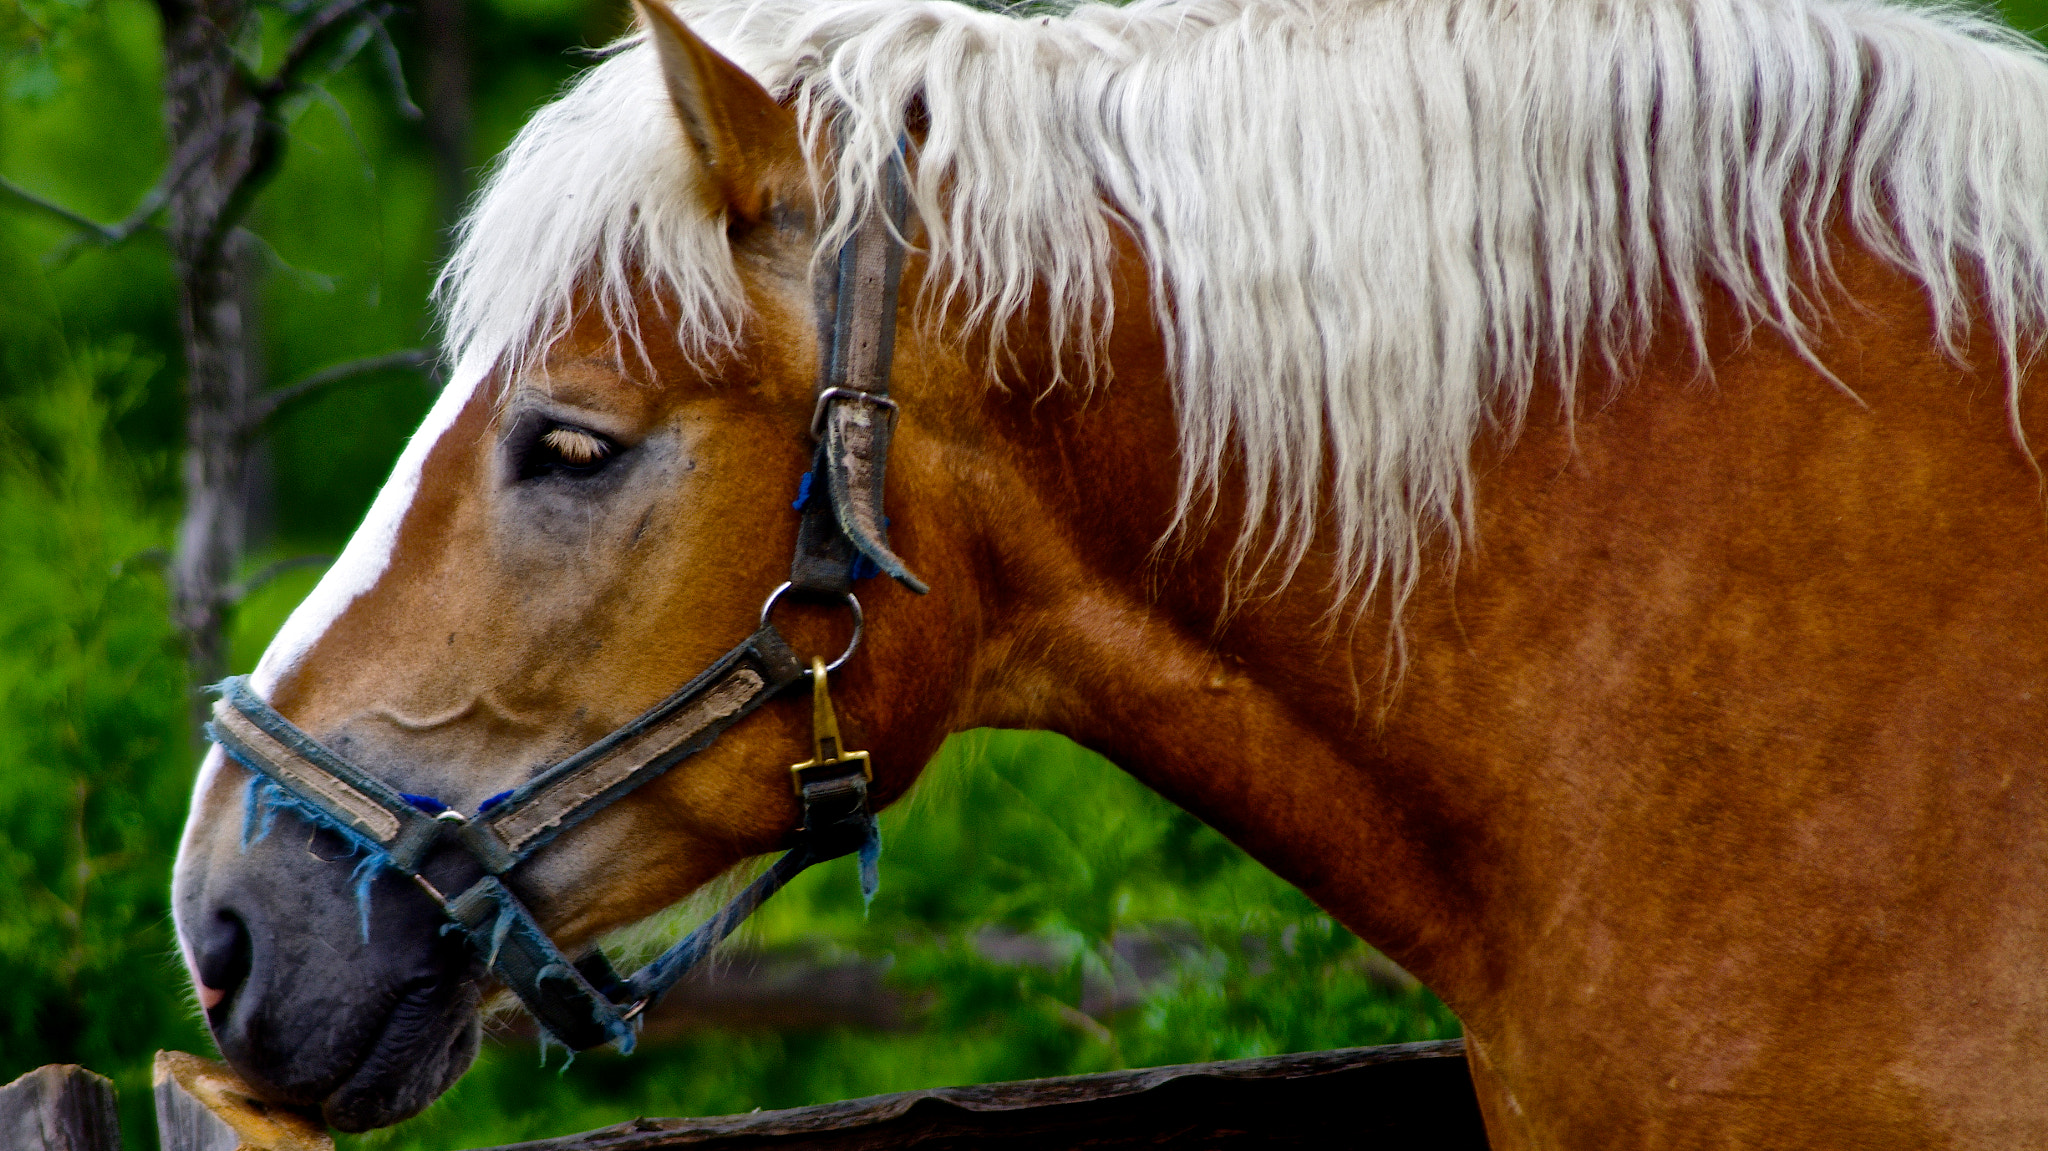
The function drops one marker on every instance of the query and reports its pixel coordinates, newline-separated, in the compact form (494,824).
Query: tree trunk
(221,129)
(444,43)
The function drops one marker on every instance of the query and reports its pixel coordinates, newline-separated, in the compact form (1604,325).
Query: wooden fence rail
(1408,1097)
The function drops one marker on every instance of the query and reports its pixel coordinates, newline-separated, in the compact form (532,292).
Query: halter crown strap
(854,417)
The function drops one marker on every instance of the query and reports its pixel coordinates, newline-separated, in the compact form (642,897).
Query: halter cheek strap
(585,1003)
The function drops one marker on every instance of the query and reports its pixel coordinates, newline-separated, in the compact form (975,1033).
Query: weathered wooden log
(60,1107)
(1414,1095)
(797,988)
(202,1105)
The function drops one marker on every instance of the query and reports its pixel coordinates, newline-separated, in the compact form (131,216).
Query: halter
(841,537)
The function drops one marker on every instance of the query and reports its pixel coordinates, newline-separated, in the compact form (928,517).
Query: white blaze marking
(354,572)
(368,553)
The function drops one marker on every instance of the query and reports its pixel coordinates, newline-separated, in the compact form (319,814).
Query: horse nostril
(221,957)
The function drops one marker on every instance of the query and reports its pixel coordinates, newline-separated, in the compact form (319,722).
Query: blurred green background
(1040,912)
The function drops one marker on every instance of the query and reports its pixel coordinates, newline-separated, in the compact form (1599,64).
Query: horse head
(582,525)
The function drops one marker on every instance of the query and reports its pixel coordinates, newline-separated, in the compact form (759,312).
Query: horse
(1550,479)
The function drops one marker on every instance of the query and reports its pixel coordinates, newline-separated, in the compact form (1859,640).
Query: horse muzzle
(326,992)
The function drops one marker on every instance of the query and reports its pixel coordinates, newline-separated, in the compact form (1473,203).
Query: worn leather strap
(512,943)
(854,417)
(678,727)
(260,739)
(559,798)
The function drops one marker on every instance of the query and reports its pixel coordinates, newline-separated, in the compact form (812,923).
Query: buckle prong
(433,892)
(829,394)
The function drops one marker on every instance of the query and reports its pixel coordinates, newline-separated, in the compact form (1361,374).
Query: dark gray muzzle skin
(368,1030)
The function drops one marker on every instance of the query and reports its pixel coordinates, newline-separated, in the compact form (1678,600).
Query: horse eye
(565,451)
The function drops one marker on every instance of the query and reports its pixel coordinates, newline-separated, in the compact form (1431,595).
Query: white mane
(1369,221)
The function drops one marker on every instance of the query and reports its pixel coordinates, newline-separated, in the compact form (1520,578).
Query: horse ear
(747,141)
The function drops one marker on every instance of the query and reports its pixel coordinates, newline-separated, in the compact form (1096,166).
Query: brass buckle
(826,750)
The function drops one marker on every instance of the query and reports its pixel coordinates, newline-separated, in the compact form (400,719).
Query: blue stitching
(803,492)
(493,801)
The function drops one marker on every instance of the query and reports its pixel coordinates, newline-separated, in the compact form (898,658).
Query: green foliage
(38,33)
(92,737)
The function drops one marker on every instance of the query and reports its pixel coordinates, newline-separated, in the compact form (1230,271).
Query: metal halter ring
(859,622)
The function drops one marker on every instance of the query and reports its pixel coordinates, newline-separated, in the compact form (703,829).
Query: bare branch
(145,210)
(134,222)
(145,560)
(306,277)
(312,38)
(271,402)
(394,74)
(242,589)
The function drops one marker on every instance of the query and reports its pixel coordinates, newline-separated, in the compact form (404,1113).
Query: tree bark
(444,42)
(213,116)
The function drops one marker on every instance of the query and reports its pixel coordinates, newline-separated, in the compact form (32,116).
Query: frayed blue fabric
(262,799)
(803,491)
(588,1007)
(547,1038)
(870,865)
(499,930)
(863,567)
(624,1039)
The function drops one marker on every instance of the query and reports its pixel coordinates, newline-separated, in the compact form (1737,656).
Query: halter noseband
(841,537)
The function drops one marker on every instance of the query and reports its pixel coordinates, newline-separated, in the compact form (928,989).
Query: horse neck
(1720,657)
(1593,682)
(1098,620)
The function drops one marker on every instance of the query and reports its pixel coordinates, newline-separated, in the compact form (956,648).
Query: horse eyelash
(576,447)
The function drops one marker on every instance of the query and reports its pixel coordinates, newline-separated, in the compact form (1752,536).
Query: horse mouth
(428,1041)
